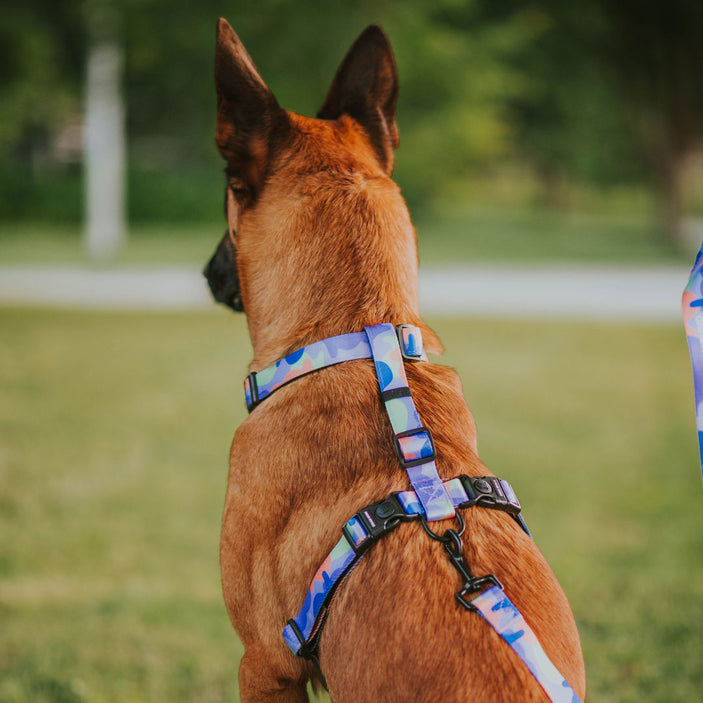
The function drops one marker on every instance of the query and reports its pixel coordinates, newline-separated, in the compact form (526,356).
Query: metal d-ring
(449,535)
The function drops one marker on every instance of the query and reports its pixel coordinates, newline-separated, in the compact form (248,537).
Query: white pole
(104,152)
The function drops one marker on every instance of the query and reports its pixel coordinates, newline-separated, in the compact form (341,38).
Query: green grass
(488,234)
(114,435)
(37,243)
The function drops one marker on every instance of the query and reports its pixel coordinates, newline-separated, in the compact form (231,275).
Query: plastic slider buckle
(411,347)
(407,463)
(377,520)
(251,391)
(490,492)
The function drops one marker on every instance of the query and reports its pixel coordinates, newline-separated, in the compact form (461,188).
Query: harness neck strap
(327,352)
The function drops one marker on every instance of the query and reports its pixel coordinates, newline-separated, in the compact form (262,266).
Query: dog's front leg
(259,684)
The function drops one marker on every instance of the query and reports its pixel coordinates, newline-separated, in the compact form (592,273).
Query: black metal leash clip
(451,541)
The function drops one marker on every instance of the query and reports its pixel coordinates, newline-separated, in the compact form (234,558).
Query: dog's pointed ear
(366,88)
(247,110)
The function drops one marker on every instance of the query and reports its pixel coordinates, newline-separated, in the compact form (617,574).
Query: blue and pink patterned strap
(370,523)
(509,623)
(413,441)
(374,521)
(327,352)
(692,308)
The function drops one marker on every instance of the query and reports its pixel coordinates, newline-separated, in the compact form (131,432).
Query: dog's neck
(341,291)
(329,247)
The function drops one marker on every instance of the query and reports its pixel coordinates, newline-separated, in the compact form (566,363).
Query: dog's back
(325,247)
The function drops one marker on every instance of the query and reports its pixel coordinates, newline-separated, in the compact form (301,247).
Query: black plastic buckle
(253,392)
(475,584)
(408,357)
(413,462)
(489,492)
(378,519)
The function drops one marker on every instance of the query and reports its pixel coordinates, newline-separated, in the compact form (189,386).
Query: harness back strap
(413,441)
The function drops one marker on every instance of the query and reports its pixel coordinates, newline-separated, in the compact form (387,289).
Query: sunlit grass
(114,435)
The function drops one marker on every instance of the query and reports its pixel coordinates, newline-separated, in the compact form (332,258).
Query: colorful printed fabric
(335,350)
(411,503)
(692,307)
(508,622)
(344,556)
(405,420)
(327,352)
(337,564)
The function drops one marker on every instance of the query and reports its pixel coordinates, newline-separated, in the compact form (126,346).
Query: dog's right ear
(247,111)
(366,88)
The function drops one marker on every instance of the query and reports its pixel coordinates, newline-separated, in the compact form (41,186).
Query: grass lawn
(114,435)
(476,235)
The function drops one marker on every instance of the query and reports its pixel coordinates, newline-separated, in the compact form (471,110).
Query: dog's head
(319,239)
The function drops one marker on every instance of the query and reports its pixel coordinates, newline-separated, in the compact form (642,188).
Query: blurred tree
(655,49)
(552,86)
(616,96)
(40,63)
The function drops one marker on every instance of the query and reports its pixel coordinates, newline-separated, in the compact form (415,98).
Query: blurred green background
(530,131)
(578,124)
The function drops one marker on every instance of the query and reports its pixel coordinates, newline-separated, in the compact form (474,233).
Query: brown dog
(324,246)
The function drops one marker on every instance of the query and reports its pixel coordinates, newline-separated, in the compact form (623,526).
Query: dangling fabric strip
(692,308)
(414,444)
(508,622)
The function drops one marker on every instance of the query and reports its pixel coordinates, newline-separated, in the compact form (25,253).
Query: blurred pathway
(545,291)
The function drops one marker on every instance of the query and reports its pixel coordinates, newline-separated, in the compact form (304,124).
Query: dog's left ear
(366,88)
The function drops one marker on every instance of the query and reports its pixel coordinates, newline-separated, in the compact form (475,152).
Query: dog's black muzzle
(222,276)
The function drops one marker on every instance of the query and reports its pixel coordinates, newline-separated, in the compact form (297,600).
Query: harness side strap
(508,622)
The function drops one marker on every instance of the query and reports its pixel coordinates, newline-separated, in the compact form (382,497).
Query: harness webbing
(692,307)
(431,499)
(327,352)
(370,524)
(413,441)
(509,623)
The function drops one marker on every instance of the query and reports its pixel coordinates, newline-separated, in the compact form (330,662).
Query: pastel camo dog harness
(692,308)
(430,499)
